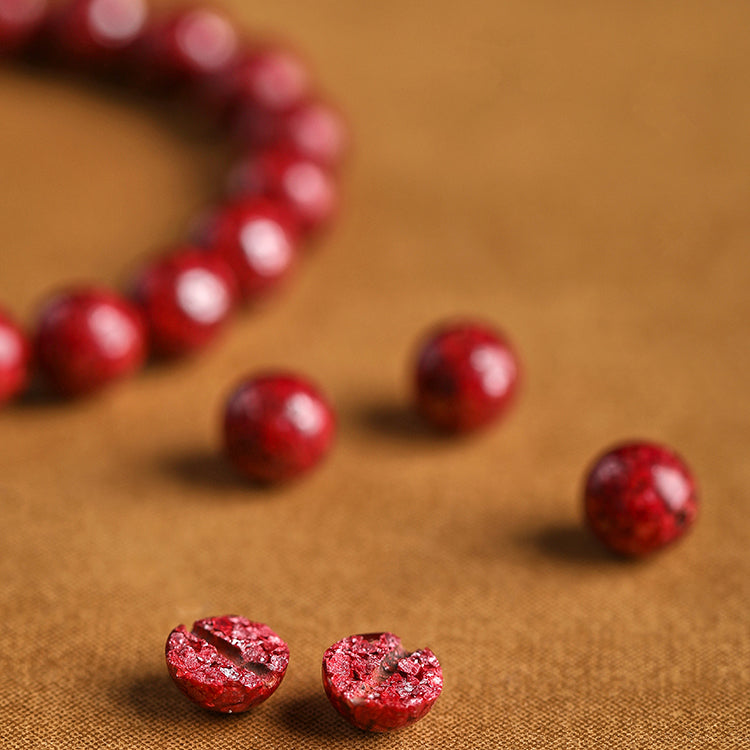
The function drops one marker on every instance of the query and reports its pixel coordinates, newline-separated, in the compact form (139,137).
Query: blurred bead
(186,297)
(466,376)
(308,190)
(257,239)
(87,338)
(19,21)
(15,353)
(97,30)
(312,129)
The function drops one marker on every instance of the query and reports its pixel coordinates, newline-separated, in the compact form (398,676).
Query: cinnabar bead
(15,353)
(377,685)
(19,21)
(257,239)
(87,338)
(639,497)
(95,31)
(186,297)
(277,426)
(306,188)
(466,376)
(312,128)
(269,79)
(185,46)
(226,664)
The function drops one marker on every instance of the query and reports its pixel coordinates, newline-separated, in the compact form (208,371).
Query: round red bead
(376,685)
(257,239)
(226,664)
(268,79)
(19,20)
(303,186)
(186,297)
(466,376)
(87,338)
(276,427)
(312,129)
(14,358)
(185,46)
(639,497)
(94,30)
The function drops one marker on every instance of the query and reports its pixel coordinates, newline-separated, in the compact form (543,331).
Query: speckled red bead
(306,188)
(466,376)
(94,31)
(226,664)
(15,352)
(186,298)
(376,685)
(19,21)
(639,497)
(87,338)
(277,426)
(257,238)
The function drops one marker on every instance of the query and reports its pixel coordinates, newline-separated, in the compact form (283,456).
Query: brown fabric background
(578,173)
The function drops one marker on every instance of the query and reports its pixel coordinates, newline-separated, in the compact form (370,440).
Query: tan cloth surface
(578,173)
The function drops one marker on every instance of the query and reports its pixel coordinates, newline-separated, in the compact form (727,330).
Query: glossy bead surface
(277,426)
(376,685)
(19,20)
(313,129)
(268,79)
(307,189)
(226,664)
(186,297)
(88,337)
(15,353)
(185,46)
(466,376)
(257,239)
(639,497)
(96,30)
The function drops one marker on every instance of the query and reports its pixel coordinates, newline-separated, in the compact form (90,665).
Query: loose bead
(87,338)
(277,426)
(466,376)
(186,298)
(257,239)
(639,497)
(308,190)
(14,358)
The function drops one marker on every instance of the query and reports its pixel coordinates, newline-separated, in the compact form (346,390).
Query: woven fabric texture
(579,174)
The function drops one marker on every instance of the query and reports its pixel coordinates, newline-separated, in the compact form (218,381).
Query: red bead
(256,239)
(96,30)
(639,497)
(376,685)
(19,21)
(186,297)
(269,79)
(312,129)
(226,664)
(276,427)
(308,190)
(87,338)
(466,376)
(185,46)
(14,358)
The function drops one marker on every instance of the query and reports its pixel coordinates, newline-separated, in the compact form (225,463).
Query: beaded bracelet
(280,193)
